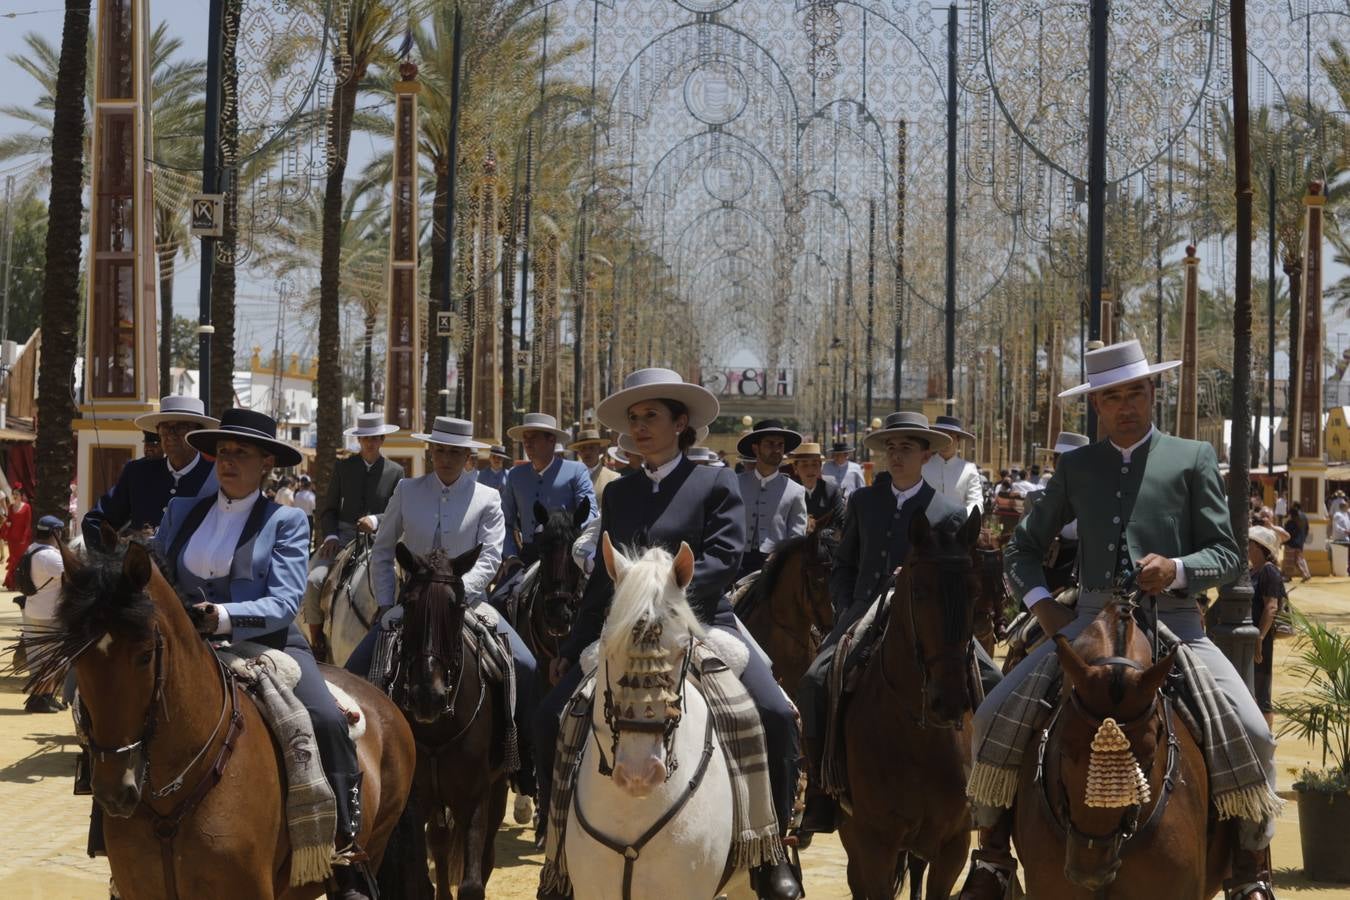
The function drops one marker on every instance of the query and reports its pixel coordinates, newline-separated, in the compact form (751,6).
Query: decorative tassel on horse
(1114,778)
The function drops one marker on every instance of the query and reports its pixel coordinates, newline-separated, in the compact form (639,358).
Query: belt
(1167,603)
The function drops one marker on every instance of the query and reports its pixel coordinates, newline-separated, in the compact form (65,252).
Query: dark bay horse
(1161,844)
(542,605)
(990,609)
(439,682)
(907,726)
(190,778)
(788,610)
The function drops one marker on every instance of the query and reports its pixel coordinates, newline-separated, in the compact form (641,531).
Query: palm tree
(370,28)
(61,298)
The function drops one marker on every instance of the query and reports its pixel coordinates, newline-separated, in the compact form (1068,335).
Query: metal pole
(900,186)
(529,201)
(951,202)
(1234,632)
(871,294)
(215,34)
(1097,57)
(447,285)
(1271,243)
(9,254)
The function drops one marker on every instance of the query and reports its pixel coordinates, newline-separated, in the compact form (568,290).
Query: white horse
(645,831)
(349,604)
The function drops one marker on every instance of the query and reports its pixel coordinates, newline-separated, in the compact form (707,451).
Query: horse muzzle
(119,793)
(1094,866)
(426,704)
(638,781)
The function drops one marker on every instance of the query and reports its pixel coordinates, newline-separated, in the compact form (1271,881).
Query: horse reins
(166,827)
(947,567)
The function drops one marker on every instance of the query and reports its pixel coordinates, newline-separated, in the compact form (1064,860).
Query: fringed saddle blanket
(737,725)
(1237,782)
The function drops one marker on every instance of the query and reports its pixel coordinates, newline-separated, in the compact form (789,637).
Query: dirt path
(45,857)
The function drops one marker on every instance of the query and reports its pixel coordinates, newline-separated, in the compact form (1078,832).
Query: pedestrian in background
(1296,524)
(1267,599)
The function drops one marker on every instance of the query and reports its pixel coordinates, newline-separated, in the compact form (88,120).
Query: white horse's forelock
(648,593)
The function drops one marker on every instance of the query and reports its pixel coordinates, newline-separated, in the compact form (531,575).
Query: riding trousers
(1181,615)
(781,743)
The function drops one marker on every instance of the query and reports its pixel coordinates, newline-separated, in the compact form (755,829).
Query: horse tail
(399,876)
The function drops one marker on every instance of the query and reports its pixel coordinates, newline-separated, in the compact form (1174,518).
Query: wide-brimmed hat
(249,427)
(499,451)
(768,428)
(1114,365)
(538,422)
(657,384)
(1066,441)
(912,424)
(807,450)
(841,447)
(451,432)
(952,425)
(629,447)
(176,409)
(617,454)
(588,436)
(702,455)
(1266,537)
(370,425)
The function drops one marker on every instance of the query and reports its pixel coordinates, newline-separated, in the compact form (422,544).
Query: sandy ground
(45,859)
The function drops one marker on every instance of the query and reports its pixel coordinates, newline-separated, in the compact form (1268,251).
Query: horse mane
(648,594)
(762,590)
(96,600)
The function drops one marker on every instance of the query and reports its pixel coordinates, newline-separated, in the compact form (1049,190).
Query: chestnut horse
(1164,844)
(990,617)
(459,790)
(191,773)
(907,725)
(788,610)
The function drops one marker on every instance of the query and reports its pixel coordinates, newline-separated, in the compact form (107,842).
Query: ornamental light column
(1188,423)
(1307,467)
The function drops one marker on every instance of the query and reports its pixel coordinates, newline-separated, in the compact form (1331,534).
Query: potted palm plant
(1320,714)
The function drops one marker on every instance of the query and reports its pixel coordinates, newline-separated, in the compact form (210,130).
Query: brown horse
(990,616)
(1161,843)
(183,760)
(907,726)
(439,682)
(788,610)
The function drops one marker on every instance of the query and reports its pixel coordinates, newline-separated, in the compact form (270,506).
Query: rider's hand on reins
(206,618)
(1155,573)
(329,548)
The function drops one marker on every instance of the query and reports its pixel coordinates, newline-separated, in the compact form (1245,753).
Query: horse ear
(1156,674)
(615,562)
(1075,670)
(684,565)
(920,529)
(583,512)
(70,560)
(406,558)
(461,564)
(107,538)
(970,532)
(136,567)
(540,513)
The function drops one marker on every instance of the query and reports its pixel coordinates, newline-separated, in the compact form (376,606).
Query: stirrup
(1247,889)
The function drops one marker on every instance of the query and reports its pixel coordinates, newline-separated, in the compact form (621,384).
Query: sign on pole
(444,318)
(208,215)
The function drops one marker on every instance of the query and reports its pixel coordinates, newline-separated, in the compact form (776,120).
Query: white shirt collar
(902,496)
(662,470)
(765,479)
(180,473)
(1126,451)
(238,507)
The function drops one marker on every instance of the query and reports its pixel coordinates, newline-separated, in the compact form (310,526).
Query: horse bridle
(665,726)
(1118,840)
(947,566)
(452,661)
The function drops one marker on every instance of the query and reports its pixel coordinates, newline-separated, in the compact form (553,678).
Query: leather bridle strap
(166,827)
(631,852)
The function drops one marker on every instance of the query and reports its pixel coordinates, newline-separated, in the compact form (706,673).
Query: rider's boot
(776,881)
(350,882)
(992,865)
(1251,876)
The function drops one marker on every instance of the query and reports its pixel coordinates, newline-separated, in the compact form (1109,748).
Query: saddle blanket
(737,725)
(311,811)
(1237,781)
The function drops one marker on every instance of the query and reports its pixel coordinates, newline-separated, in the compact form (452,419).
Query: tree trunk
(55,454)
(435,379)
(222,274)
(166,259)
(329,385)
(366,374)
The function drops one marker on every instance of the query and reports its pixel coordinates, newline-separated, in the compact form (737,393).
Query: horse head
(560,581)
(117,622)
(938,611)
(431,652)
(1110,728)
(644,650)
(987,556)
